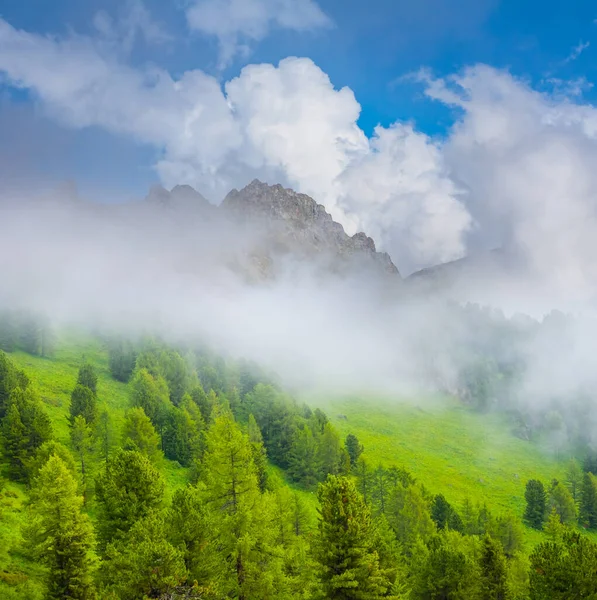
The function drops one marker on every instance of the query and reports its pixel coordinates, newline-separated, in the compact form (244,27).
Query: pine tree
(199,397)
(83,402)
(562,501)
(87,377)
(44,452)
(139,434)
(82,442)
(408,515)
(445,570)
(8,382)
(258,452)
(126,490)
(354,448)
(329,452)
(492,564)
(122,359)
(153,566)
(574,480)
(151,394)
(190,530)
(182,435)
(588,502)
(61,534)
(303,464)
(25,427)
(349,563)
(15,442)
(104,432)
(564,569)
(536,501)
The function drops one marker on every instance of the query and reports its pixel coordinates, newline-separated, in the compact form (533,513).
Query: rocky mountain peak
(298,223)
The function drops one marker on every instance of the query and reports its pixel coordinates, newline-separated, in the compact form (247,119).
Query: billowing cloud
(526,160)
(286,123)
(237,23)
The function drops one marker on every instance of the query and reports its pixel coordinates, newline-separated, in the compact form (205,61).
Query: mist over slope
(269,276)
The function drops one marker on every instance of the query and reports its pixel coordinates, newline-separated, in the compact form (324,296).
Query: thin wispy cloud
(577,51)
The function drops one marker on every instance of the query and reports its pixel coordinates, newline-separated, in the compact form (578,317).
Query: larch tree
(61,533)
(241,521)
(139,434)
(82,443)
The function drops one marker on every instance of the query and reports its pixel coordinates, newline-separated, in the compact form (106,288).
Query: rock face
(297,225)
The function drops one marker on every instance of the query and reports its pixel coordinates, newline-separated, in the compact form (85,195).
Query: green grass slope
(450,449)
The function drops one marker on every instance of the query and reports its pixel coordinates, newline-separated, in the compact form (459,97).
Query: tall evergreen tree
(25,427)
(191,531)
(104,431)
(122,359)
(588,502)
(87,377)
(329,452)
(151,394)
(574,479)
(562,501)
(446,570)
(536,503)
(564,570)
(61,534)
(126,490)
(182,435)
(83,402)
(349,563)
(242,529)
(139,434)
(258,452)
(82,442)
(153,566)
(303,459)
(493,568)
(354,448)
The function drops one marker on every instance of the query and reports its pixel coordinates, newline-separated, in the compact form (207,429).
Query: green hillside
(450,449)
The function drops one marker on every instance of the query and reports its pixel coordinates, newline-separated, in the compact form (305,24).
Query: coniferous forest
(213,482)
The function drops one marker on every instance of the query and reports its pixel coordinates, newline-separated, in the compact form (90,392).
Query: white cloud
(236,23)
(527,160)
(516,168)
(286,123)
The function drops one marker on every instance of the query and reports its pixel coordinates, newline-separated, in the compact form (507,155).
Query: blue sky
(372,44)
(119,95)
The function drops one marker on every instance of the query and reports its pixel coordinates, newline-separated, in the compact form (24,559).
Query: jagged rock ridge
(290,224)
(299,224)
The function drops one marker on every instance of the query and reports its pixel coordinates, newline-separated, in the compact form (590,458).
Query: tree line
(104,521)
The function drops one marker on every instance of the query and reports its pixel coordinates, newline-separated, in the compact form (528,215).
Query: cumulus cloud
(515,170)
(237,23)
(526,160)
(286,123)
